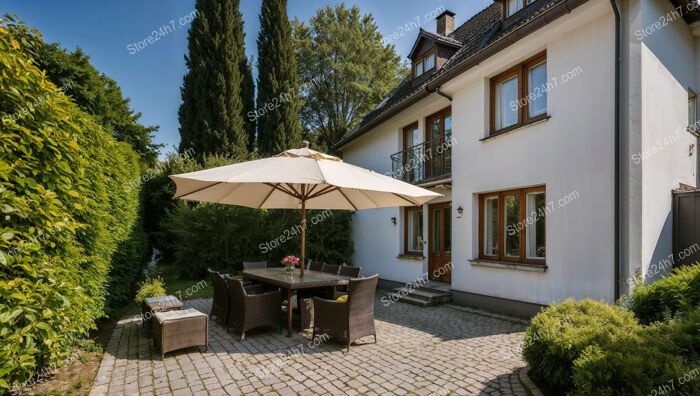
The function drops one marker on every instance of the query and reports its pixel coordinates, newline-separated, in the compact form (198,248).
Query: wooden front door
(440,242)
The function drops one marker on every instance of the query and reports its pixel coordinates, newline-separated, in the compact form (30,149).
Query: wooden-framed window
(513,6)
(519,95)
(411,153)
(693,112)
(413,231)
(424,63)
(512,225)
(438,135)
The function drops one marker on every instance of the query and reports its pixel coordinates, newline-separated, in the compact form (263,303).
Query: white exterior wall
(669,68)
(571,152)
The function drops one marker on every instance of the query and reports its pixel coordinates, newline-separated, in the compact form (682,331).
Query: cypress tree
(248,97)
(210,115)
(278,83)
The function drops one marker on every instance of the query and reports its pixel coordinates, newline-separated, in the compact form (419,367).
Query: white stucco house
(557,131)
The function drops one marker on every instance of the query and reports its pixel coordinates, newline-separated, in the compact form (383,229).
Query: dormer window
(513,6)
(424,63)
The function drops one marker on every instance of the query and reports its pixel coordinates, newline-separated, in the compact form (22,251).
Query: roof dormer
(431,50)
(512,7)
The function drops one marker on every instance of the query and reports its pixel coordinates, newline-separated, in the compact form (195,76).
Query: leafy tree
(278,82)
(342,53)
(210,115)
(94,92)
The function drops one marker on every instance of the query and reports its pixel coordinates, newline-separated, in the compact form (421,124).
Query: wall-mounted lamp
(460,211)
(393,220)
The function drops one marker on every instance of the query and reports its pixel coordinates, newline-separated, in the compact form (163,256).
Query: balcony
(424,162)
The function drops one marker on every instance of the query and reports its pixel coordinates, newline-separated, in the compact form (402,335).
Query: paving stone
(423,351)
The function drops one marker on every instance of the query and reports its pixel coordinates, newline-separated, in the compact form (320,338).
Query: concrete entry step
(424,295)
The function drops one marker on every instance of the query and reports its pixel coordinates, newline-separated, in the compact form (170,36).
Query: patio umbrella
(298,179)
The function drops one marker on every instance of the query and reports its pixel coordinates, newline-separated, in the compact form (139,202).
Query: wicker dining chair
(254,265)
(351,320)
(252,309)
(315,266)
(331,269)
(220,303)
(346,271)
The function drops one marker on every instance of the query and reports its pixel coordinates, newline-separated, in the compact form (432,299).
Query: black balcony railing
(431,160)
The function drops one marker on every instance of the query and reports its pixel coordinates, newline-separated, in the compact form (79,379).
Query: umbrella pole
(303,236)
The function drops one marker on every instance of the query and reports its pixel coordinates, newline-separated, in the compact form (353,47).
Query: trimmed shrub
(663,299)
(560,333)
(634,364)
(154,287)
(685,334)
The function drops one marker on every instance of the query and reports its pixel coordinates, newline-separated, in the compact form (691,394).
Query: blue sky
(152,76)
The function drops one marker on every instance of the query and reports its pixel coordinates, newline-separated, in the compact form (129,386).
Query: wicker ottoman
(175,330)
(151,305)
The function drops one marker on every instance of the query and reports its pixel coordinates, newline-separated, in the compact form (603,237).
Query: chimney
(446,23)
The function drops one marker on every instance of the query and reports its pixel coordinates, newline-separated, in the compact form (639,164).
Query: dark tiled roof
(474,35)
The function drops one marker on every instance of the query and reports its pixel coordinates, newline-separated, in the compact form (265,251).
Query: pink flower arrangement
(290,261)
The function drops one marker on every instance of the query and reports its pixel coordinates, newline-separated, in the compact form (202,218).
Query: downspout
(437,90)
(618,35)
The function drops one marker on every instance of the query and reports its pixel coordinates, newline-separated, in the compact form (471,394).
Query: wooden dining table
(279,277)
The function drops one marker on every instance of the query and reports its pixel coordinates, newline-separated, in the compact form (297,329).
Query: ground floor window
(512,225)
(413,230)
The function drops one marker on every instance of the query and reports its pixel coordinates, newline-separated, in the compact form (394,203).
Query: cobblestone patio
(422,351)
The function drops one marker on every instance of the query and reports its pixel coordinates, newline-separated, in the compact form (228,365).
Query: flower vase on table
(289,263)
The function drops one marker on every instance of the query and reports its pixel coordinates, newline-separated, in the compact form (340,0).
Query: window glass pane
(412,155)
(415,230)
(530,1)
(411,137)
(419,68)
(534,225)
(434,156)
(447,146)
(491,226)
(447,228)
(429,62)
(514,6)
(506,100)
(511,206)
(537,87)
(435,243)
(693,112)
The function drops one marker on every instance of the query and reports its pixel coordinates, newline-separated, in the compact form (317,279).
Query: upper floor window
(693,112)
(424,63)
(519,95)
(513,6)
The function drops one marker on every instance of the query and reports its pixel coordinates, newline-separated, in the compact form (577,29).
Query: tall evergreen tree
(278,100)
(211,111)
(248,97)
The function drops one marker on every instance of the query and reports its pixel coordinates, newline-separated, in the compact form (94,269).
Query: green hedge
(676,293)
(635,363)
(62,218)
(559,334)
(592,348)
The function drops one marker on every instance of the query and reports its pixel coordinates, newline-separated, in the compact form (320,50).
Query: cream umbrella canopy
(299,179)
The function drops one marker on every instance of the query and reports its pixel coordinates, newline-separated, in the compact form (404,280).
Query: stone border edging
(525,380)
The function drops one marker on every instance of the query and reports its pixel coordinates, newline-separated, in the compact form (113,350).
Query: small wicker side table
(151,305)
(175,330)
